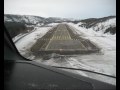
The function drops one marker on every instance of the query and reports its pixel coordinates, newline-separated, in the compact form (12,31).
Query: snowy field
(103,62)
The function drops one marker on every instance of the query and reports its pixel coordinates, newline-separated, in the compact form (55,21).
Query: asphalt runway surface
(62,39)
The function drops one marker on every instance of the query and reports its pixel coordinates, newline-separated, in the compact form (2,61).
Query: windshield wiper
(86,71)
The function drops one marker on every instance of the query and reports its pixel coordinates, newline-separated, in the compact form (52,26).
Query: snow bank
(18,37)
(104,25)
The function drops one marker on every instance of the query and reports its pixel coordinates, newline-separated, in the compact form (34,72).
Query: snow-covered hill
(26,19)
(35,20)
(106,25)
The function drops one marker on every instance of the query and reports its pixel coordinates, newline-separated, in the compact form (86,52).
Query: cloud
(61,8)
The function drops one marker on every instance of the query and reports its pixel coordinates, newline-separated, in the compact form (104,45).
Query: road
(61,39)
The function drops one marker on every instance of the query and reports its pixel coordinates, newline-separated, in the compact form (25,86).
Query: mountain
(104,25)
(22,23)
(25,19)
(32,20)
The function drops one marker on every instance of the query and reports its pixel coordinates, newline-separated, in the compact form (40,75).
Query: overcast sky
(78,9)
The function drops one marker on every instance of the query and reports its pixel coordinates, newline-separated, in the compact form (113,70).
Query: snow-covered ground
(105,25)
(52,24)
(21,35)
(25,43)
(18,37)
(100,27)
(103,62)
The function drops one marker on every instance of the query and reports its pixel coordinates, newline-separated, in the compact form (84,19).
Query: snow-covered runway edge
(25,43)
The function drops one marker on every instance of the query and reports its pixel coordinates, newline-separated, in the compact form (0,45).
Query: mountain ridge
(104,24)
